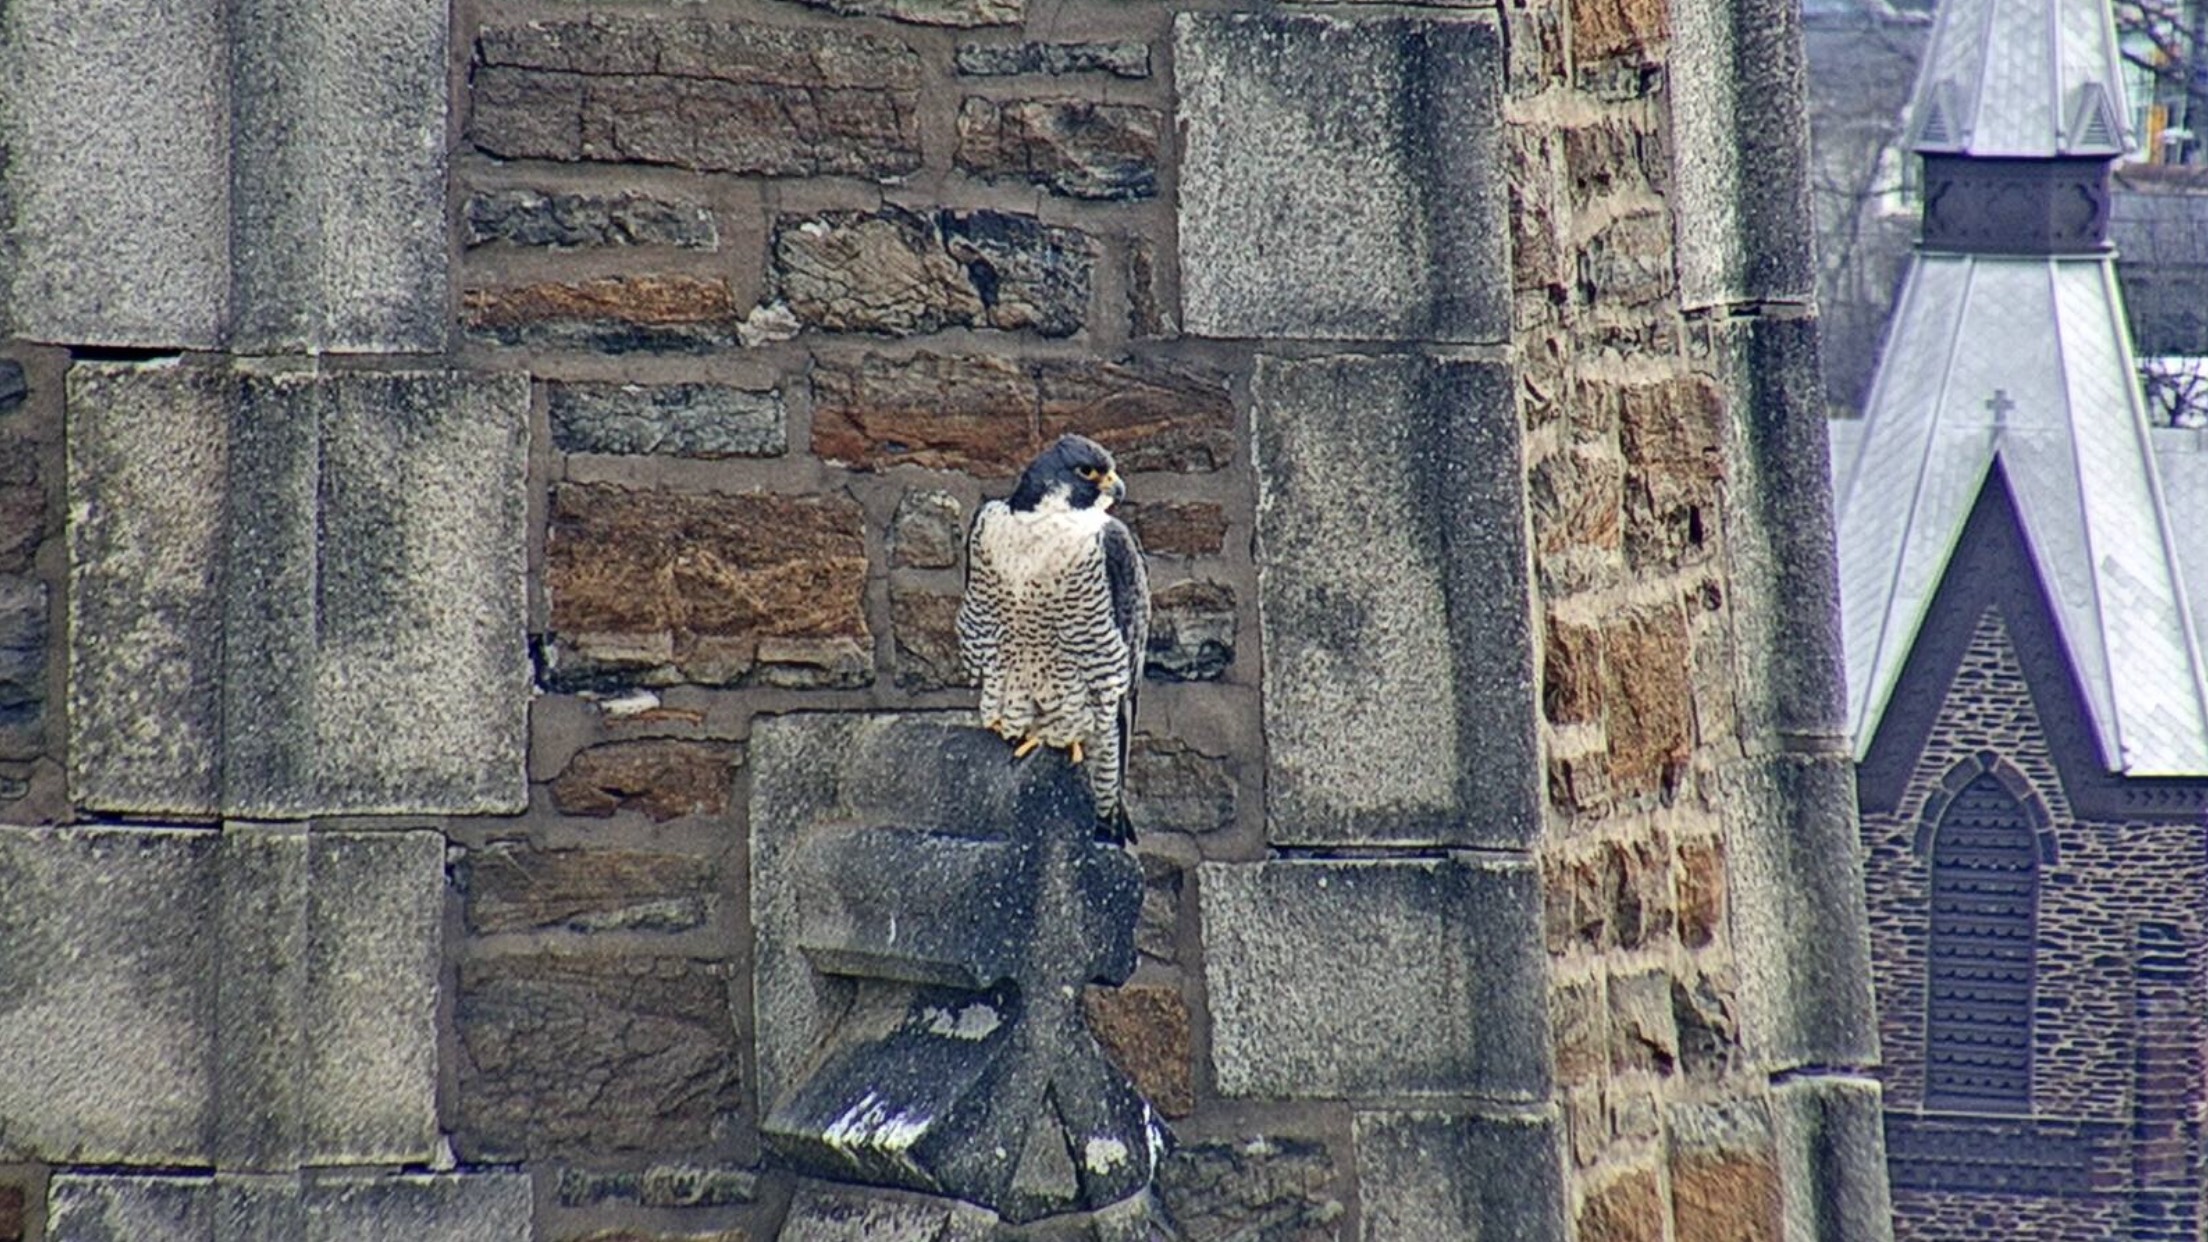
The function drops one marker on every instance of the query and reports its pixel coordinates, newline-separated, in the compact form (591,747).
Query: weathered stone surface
(664,587)
(692,1186)
(373,951)
(1571,673)
(107,995)
(1425,1175)
(1158,933)
(1266,1189)
(118,174)
(1144,1028)
(337,177)
(1576,1016)
(607,314)
(671,420)
(94,1208)
(1395,612)
(145,699)
(323,1207)
(1444,990)
(1642,1035)
(564,221)
(1706,1013)
(1341,177)
(896,272)
(927,531)
(1672,438)
(925,626)
(588,1187)
(665,778)
(1074,147)
(1649,696)
(1605,28)
(22,511)
(13,1223)
(1701,888)
(828,1212)
(698,92)
(1173,787)
(1798,921)
(1121,60)
(311,603)
(15,387)
(654,1235)
(1176,527)
(1152,312)
(1628,1208)
(979,414)
(23,636)
(1724,1177)
(958,13)
(327,176)
(1832,1158)
(1192,627)
(512,888)
(1740,126)
(592,1055)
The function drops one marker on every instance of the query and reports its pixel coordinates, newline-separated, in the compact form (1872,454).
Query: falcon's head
(1075,472)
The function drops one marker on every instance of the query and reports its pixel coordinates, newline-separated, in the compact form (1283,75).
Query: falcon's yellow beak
(1110,485)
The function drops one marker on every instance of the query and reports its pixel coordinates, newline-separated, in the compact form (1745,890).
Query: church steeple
(2008,352)
(2017,113)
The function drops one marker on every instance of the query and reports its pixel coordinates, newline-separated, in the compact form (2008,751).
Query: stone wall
(427,471)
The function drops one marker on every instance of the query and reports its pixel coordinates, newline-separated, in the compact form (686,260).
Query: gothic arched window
(1985,885)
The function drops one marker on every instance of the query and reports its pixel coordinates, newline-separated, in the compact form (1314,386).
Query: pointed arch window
(1985,891)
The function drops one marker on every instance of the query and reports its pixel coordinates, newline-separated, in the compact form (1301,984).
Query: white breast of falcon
(1055,616)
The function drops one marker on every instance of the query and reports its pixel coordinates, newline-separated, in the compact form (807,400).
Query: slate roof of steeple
(2020,79)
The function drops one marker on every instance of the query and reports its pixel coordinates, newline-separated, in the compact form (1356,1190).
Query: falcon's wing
(1130,585)
(980,619)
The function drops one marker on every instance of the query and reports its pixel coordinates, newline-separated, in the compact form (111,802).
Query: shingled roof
(2011,79)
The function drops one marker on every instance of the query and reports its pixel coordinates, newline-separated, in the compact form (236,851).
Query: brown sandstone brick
(1650,697)
(1637,876)
(898,272)
(1614,155)
(609,314)
(1672,437)
(1607,28)
(1176,527)
(665,778)
(1074,147)
(510,888)
(1725,1196)
(1627,1209)
(22,507)
(1571,673)
(662,587)
(1643,1036)
(1701,885)
(1144,1028)
(1628,263)
(1576,1012)
(963,14)
(704,93)
(990,415)
(1577,497)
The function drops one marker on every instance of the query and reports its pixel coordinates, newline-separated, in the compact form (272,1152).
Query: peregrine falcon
(1056,613)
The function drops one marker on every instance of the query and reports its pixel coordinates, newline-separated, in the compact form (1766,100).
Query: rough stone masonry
(441,447)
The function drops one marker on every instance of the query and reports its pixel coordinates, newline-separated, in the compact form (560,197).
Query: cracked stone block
(696,92)
(897,272)
(1341,177)
(661,587)
(1443,991)
(665,778)
(564,221)
(709,421)
(607,314)
(1121,60)
(1278,1188)
(511,887)
(1076,148)
(296,593)
(1394,604)
(571,1055)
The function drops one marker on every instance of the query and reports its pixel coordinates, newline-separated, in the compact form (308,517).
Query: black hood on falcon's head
(1077,464)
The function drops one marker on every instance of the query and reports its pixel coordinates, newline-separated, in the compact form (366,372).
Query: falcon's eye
(1091,473)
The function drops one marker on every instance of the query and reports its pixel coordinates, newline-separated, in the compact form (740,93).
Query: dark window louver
(1985,877)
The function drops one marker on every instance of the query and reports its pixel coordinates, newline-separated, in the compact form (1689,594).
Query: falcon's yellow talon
(1075,751)
(1026,748)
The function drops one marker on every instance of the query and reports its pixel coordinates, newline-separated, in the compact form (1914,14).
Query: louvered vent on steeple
(2095,128)
(1939,121)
